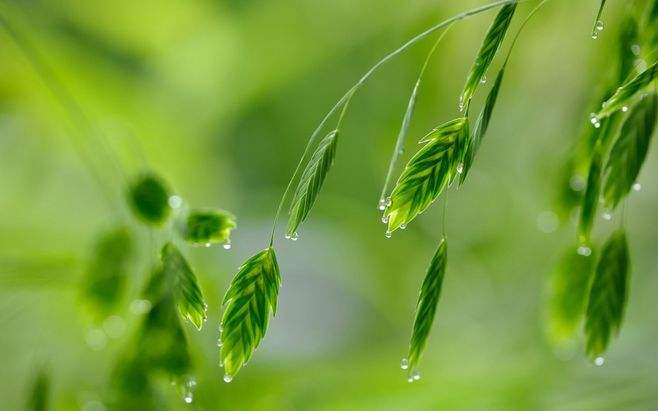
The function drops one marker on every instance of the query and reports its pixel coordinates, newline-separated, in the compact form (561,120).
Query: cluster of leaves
(612,150)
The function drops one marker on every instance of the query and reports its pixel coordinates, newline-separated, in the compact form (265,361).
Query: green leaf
(208,227)
(148,198)
(428,300)
(488,50)
(106,275)
(570,285)
(481,126)
(629,150)
(628,39)
(428,172)
(311,181)
(39,393)
(625,93)
(248,304)
(590,200)
(608,295)
(182,284)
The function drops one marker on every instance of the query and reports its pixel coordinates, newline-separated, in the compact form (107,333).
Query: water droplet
(219,343)
(207,245)
(140,306)
(228,378)
(401,151)
(636,49)
(593,118)
(410,379)
(460,168)
(584,250)
(599,361)
(188,398)
(287,236)
(385,219)
(175,202)
(403,226)
(599,25)
(637,187)
(227,245)
(624,109)
(294,236)
(404,364)
(388,201)
(382,204)
(606,215)
(461,104)
(483,80)
(388,234)
(415,375)
(595,35)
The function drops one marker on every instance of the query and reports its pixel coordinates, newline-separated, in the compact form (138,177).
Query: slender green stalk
(344,99)
(399,143)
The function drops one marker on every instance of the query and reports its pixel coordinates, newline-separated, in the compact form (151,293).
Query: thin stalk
(518,33)
(363,79)
(402,135)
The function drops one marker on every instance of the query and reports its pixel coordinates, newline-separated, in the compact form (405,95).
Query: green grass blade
(629,150)
(598,24)
(148,198)
(608,295)
(106,275)
(38,399)
(248,304)
(205,227)
(481,126)
(184,285)
(428,299)
(570,285)
(488,50)
(428,172)
(311,181)
(624,94)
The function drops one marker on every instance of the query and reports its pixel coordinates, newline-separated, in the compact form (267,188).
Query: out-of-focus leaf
(38,399)
(570,285)
(608,295)
(630,150)
(428,300)
(248,304)
(107,273)
(208,227)
(148,198)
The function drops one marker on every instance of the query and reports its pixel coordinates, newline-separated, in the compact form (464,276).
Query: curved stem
(402,135)
(518,33)
(362,80)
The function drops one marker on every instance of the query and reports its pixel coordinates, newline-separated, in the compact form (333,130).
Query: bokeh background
(219,98)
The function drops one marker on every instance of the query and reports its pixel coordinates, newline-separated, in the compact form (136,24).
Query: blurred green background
(219,98)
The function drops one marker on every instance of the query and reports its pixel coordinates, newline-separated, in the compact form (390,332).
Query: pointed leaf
(183,285)
(311,181)
(248,304)
(148,198)
(490,46)
(481,126)
(428,300)
(625,93)
(608,295)
(629,150)
(428,172)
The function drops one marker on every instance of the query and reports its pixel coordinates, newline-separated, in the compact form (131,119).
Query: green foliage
(311,181)
(208,227)
(179,281)
(148,198)
(485,56)
(107,272)
(607,298)
(630,149)
(590,200)
(570,284)
(626,92)
(39,393)
(248,304)
(428,172)
(428,300)
(481,126)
